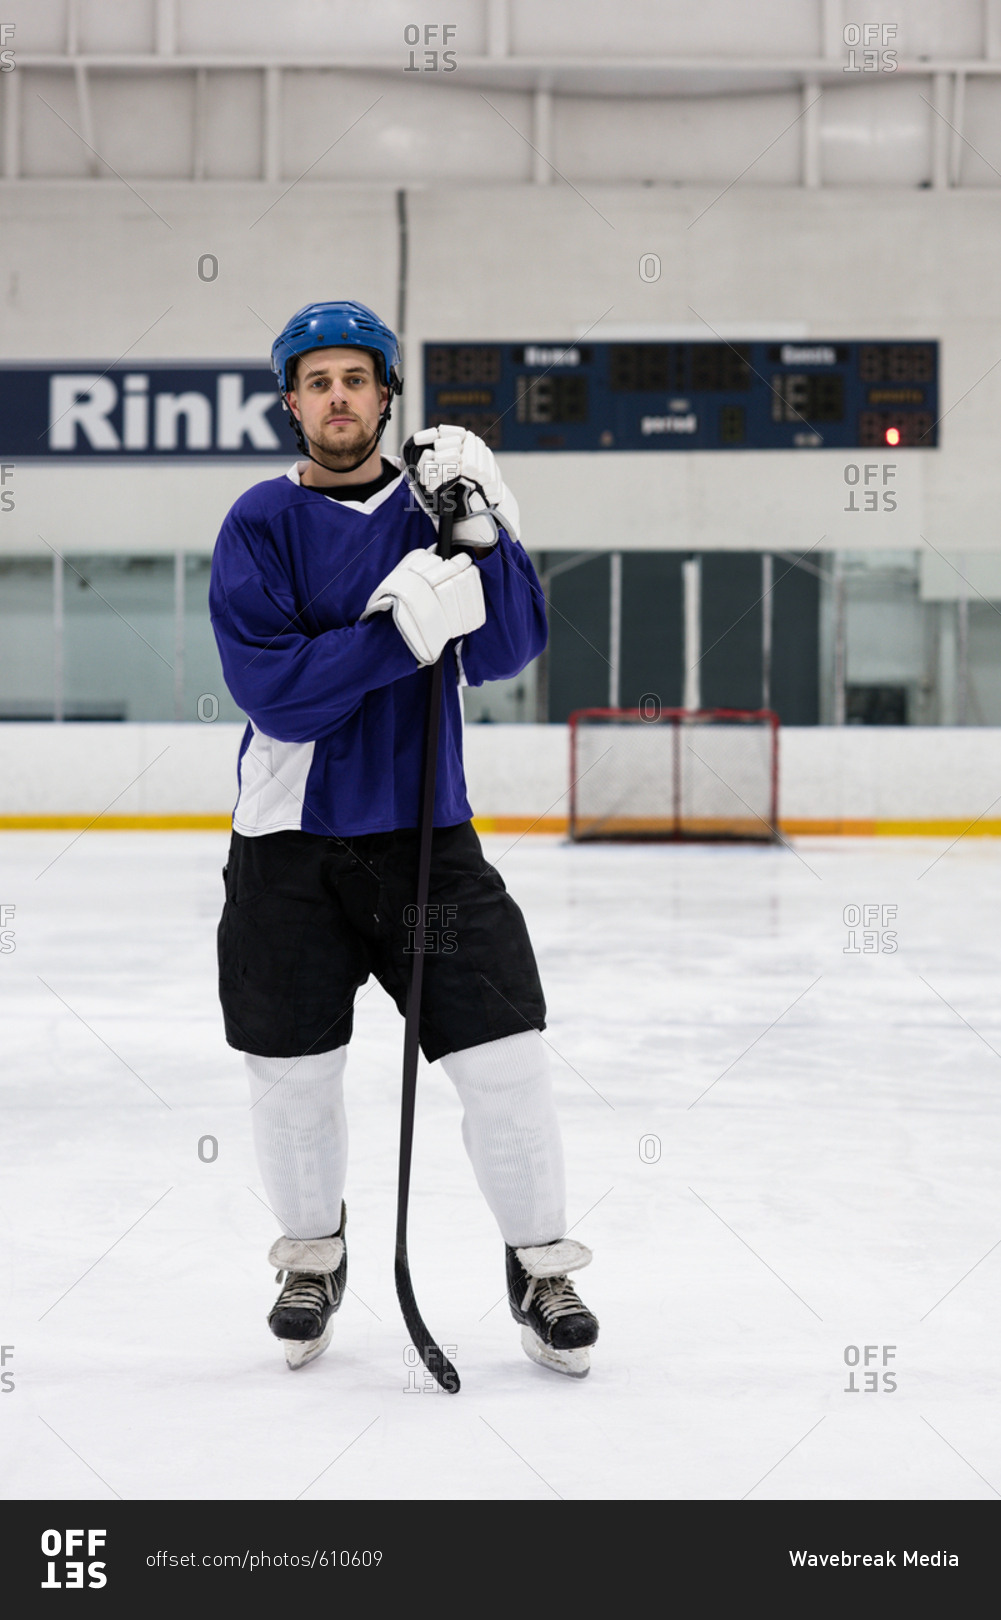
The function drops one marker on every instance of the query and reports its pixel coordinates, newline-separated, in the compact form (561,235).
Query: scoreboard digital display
(687,396)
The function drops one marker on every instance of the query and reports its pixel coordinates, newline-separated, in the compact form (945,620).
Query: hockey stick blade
(433,1357)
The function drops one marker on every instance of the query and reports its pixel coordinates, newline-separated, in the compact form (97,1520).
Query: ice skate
(557,1329)
(313,1272)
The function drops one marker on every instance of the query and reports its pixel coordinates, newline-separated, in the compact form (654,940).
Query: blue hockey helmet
(343,325)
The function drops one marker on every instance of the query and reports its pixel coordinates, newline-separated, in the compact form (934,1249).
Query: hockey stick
(433,1357)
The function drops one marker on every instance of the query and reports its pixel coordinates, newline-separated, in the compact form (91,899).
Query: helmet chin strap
(304,443)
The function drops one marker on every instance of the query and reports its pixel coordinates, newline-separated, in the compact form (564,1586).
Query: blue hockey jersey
(337,706)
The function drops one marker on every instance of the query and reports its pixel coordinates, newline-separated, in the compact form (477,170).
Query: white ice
(827,1126)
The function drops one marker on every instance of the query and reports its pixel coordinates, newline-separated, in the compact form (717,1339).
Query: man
(330,609)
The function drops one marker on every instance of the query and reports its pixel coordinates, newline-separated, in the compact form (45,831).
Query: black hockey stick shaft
(431,1353)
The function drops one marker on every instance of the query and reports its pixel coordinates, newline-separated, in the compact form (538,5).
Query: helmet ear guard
(294,423)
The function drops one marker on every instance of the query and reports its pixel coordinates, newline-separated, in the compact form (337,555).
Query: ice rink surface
(783,1147)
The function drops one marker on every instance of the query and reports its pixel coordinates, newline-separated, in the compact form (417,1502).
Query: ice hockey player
(330,608)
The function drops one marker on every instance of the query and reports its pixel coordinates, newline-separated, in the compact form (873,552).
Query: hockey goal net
(678,773)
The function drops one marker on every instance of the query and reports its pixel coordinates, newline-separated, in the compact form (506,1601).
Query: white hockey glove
(433,600)
(454,452)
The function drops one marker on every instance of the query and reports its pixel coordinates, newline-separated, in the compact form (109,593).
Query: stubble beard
(340,447)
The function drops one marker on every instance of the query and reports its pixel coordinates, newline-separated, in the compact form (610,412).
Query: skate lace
(306,1290)
(554,1297)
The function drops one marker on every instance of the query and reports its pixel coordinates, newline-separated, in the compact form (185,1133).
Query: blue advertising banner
(69,412)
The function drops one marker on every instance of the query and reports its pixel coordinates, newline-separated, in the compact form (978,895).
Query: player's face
(338,399)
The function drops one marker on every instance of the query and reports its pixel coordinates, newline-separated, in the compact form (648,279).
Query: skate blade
(299,1351)
(574,1363)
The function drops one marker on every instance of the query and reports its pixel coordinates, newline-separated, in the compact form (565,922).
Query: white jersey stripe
(272,786)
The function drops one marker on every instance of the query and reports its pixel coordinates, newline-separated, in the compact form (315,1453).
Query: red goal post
(674,774)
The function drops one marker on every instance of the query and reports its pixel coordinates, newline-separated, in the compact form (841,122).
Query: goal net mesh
(710,773)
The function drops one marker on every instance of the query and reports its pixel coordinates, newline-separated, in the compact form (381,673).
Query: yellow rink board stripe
(897,829)
(843,827)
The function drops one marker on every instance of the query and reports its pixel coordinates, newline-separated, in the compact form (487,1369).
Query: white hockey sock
(512,1134)
(301,1138)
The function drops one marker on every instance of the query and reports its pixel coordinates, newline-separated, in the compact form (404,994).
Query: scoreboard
(687,396)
